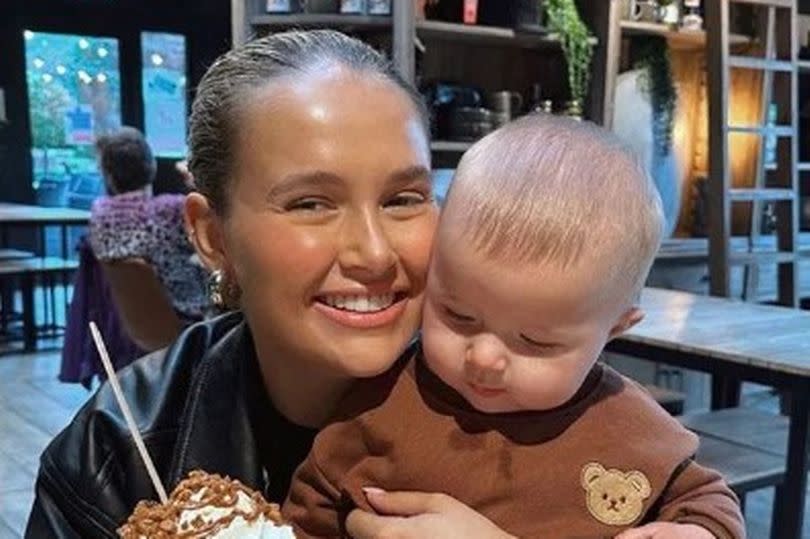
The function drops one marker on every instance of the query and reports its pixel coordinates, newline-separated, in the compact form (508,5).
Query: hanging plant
(564,19)
(656,82)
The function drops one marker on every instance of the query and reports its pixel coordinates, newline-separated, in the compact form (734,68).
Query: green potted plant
(575,37)
(657,83)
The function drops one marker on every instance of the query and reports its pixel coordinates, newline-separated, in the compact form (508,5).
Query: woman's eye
(308,205)
(409,198)
(536,344)
(458,317)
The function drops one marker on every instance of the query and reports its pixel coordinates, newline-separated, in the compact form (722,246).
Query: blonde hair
(547,189)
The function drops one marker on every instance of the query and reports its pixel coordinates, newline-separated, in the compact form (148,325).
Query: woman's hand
(417,515)
(667,530)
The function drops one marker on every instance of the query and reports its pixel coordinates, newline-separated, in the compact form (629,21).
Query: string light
(39,63)
(102,52)
(101,77)
(157,59)
(61,69)
(47,77)
(28,35)
(83,44)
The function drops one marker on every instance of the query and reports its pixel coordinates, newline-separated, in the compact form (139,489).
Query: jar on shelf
(379,7)
(353,7)
(282,6)
(573,109)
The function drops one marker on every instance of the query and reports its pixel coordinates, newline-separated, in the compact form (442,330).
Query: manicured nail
(372,491)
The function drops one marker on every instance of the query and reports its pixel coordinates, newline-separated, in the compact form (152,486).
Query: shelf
(767,130)
(424,29)
(322,20)
(681,39)
(494,35)
(450,146)
(761,64)
(764,194)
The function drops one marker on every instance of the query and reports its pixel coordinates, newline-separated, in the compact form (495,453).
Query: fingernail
(372,491)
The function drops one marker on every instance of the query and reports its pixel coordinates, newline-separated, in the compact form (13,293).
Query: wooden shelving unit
(450,146)
(484,57)
(319,20)
(492,35)
(680,39)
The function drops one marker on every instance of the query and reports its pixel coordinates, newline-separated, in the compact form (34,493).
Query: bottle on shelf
(537,103)
(692,20)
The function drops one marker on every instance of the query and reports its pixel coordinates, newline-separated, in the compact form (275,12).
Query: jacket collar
(215,434)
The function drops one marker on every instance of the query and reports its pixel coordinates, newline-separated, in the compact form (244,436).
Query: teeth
(360,304)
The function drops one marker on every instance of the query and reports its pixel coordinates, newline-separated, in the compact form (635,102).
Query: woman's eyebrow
(409,174)
(291,182)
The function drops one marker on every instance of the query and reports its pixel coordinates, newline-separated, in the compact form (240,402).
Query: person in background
(131,223)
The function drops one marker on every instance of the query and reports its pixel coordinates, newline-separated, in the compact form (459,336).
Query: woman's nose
(366,253)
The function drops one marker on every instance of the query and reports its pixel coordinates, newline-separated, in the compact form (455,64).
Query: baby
(543,247)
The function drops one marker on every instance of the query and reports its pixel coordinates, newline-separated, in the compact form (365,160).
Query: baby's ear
(628,319)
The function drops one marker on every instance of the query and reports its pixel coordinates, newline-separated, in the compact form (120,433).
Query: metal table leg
(725,391)
(790,505)
(29,320)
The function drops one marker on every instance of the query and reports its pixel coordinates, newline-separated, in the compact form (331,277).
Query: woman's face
(331,221)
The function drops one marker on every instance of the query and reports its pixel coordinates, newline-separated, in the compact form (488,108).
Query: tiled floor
(34,406)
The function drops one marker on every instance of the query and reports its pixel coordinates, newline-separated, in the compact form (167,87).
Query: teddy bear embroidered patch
(614,497)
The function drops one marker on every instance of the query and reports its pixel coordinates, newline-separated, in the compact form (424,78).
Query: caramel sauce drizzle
(153,520)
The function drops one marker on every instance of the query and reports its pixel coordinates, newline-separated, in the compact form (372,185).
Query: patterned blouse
(137,225)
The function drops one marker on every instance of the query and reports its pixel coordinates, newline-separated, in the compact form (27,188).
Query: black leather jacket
(191,405)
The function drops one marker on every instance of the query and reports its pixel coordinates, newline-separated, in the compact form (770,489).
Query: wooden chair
(142,303)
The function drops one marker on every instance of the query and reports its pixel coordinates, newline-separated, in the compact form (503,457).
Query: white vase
(633,123)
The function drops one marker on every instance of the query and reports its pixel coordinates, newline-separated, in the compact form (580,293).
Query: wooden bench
(28,270)
(747,446)
(744,468)
(745,426)
(15,254)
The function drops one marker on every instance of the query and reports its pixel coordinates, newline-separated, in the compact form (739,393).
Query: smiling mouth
(361,304)
(362,311)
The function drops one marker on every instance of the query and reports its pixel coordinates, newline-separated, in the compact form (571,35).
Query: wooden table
(733,340)
(23,215)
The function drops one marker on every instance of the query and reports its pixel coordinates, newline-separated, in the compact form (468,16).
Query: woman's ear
(628,319)
(204,229)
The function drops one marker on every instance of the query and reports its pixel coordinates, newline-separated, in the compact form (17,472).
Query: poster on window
(79,125)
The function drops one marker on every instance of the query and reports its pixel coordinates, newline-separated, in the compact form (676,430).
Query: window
(74,95)
(164,93)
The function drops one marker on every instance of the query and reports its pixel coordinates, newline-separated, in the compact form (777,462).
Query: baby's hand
(667,530)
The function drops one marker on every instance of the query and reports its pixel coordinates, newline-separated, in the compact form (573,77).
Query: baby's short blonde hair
(551,190)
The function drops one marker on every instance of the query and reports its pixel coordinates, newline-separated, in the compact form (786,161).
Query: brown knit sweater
(609,460)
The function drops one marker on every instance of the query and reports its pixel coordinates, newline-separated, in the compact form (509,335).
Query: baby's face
(515,338)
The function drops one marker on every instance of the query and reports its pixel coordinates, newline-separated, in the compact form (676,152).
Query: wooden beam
(403,42)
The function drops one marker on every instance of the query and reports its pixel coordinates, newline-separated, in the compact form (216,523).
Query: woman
(314,213)
(131,223)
